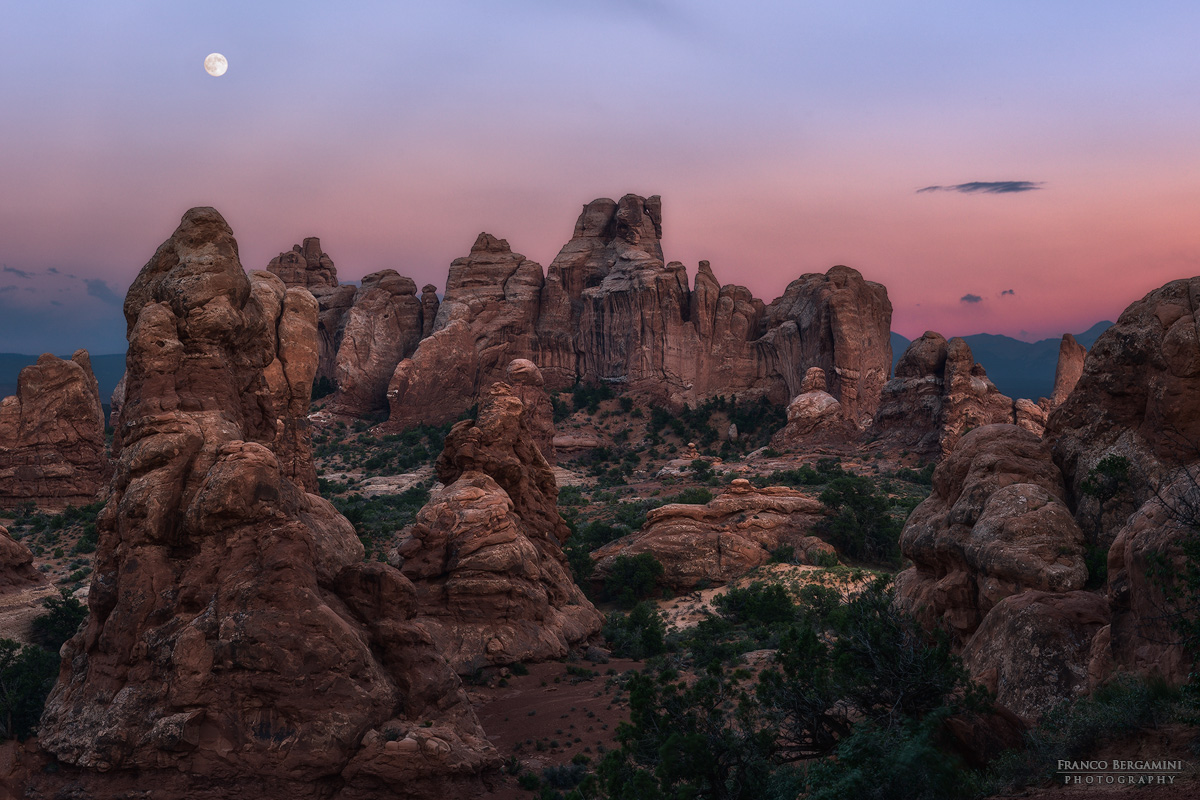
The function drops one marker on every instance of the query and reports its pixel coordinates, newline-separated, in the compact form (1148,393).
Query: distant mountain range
(1019,369)
(108,368)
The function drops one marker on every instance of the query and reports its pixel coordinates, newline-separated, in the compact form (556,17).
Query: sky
(1004,166)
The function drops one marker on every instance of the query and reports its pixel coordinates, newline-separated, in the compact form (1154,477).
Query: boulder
(485,554)
(1033,650)
(994,525)
(236,642)
(723,539)
(17,572)
(814,418)
(52,449)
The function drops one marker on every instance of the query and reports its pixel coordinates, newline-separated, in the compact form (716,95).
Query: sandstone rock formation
(526,381)
(730,535)
(1030,416)
(52,435)
(610,310)
(994,525)
(485,320)
(938,394)
(382,327)
(998,563)
(1067,372)
(485,554)
(305,266)
(1138,395)
(16,566)
(236,643)
(814,417)
(429,308)
(1125,439)
(1034,649)
(1141,638)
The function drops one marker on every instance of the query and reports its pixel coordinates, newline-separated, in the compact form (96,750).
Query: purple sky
(783,137)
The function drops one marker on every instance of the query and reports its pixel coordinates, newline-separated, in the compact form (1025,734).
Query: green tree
(27,673)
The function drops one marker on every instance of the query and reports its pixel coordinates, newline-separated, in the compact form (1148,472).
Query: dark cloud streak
(1008,292)
(20,273)
(970,298)
(986,187)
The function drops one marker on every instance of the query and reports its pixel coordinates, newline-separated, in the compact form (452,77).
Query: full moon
(216,64)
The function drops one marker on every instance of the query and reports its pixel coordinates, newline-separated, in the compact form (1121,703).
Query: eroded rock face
(305,266)
(382,327)
(485,554)
(52,435)
(995,525)
(814,417)
(1033,649)
(1138,397)
(1141,638)
(485,320)
(937,395)
(1071,355)
(730,535)
(236,641)
(844,324)
(526,381)
(16,566)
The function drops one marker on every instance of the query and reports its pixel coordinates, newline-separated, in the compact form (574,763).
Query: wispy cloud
(9,288)
(20,273)
(986,187)
(971,298)
(1008,292)
(99,289)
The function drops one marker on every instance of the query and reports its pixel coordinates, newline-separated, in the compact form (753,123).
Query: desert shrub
(859,522)
(697,740)
(62,618)
(570,496)
(27,673)
(1107,479)
(923,477)
(378,519)
(633,578)
(693,495)
(784,554)
(893,763)
(757,604)
(638,634)
(1075,730)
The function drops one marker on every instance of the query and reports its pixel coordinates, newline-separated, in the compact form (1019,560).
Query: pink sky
(782,140)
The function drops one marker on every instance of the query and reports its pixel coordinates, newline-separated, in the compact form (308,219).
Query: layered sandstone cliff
(236,642)
(52,449)
(611,310)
